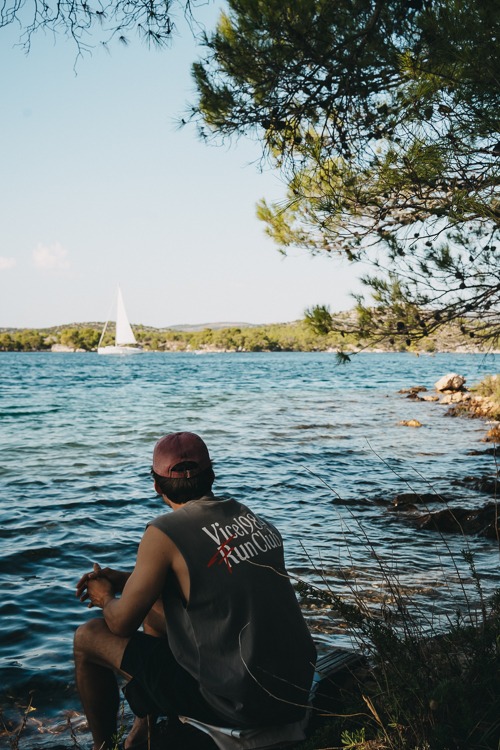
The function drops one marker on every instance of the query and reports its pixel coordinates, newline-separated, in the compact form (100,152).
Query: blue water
(314,446)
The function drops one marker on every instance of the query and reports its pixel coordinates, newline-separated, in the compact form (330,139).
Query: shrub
(425,690)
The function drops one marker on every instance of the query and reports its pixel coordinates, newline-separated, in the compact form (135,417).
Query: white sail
(124,333)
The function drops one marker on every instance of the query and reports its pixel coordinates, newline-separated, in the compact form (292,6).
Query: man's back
(241,635)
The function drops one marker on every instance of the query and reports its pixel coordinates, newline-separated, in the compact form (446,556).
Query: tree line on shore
(302,335)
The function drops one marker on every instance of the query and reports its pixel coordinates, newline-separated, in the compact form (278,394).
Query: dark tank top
(241,635)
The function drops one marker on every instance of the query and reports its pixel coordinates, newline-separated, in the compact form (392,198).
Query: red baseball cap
(177,448)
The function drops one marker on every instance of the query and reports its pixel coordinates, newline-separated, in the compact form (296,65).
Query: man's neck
(178,506)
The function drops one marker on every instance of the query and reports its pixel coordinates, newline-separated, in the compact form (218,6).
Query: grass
(13,732)
(489,388)
(18,729)
(425,689)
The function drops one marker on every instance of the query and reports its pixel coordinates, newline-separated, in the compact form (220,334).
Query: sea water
(314,446)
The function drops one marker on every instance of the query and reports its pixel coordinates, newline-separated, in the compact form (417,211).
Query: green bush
(489,387)
(424,690)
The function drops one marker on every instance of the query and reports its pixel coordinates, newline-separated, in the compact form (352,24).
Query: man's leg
(98,655)
(154,625)
(155,622)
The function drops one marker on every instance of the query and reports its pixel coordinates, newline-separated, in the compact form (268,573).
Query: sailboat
(124,336)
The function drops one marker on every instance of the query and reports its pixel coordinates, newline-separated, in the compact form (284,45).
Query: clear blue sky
(99,186)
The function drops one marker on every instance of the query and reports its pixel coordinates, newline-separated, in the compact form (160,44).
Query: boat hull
(117,349)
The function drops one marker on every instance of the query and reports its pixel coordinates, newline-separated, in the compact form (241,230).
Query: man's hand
(99,592)
(115,578)
(141,588)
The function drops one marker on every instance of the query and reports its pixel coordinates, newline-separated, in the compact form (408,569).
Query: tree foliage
(313,334)
(85,338)
(90,21)
(384,118)
(26,340)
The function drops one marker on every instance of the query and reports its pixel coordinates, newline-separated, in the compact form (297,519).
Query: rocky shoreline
(451,391)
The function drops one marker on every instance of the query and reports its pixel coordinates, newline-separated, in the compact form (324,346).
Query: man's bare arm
(143,587)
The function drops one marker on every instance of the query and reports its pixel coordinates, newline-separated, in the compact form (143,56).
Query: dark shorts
(159,684)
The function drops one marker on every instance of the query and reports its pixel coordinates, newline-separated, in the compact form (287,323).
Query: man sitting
(223,641)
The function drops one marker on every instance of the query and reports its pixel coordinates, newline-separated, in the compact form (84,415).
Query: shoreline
(296,336)
(60,349)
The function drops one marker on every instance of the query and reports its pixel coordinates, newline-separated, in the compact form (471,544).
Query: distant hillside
(190,327)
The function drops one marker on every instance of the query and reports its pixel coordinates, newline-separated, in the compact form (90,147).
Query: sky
(100,186)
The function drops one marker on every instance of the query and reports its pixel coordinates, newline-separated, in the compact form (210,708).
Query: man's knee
(95,643)
(86,635)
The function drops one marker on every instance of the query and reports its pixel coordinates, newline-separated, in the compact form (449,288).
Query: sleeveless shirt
(241,635)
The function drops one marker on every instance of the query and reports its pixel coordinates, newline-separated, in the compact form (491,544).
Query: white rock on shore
(64,348)
(455,398)
(450,382)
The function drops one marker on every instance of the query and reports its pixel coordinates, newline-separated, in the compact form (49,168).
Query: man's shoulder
(160,522)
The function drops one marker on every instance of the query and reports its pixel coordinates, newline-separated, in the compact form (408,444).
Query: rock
(486,484)
(61,348)
(430,398)
(479,521)
(455,398)
(410,423)
(408,500)
(414,390)
(450,382)
(477,407)
(486,452)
